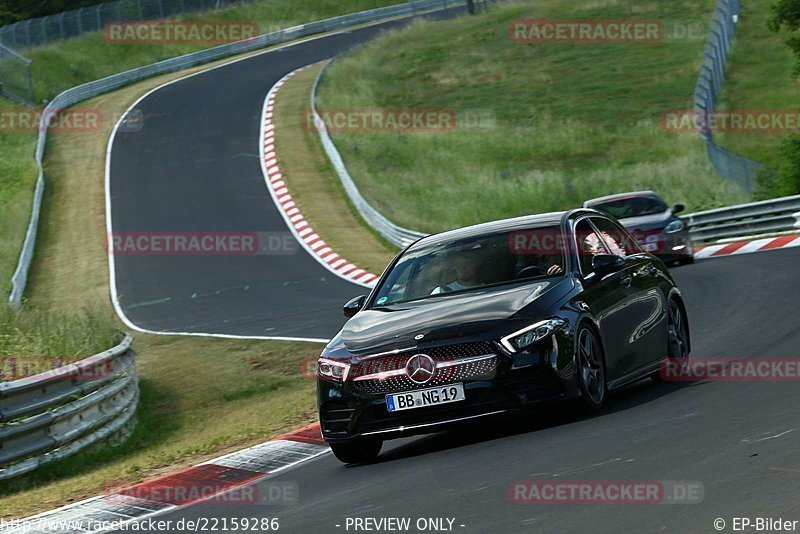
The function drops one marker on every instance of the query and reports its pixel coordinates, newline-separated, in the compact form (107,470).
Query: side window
(588,245)
(618,240)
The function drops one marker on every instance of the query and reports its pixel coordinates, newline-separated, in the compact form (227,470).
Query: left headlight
(675,226)
(332,370)
(522,339)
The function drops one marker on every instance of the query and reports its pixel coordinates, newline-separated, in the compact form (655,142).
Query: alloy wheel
(590,363)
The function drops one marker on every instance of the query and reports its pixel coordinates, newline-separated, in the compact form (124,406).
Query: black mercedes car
(496,317)
(656,227)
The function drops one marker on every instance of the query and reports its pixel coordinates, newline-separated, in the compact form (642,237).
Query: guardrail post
(28,31)
(30,81)
(797,219)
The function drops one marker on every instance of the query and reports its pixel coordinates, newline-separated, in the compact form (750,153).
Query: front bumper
(348,410)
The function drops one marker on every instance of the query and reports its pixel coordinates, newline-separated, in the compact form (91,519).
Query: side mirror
(353,306)
(603,264)
(678,208)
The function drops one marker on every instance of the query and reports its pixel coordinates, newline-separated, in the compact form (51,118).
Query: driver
(468,271)
(467,268)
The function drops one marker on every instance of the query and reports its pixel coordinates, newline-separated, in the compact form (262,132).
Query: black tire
(591,369)
(688,260)
(677,339)
(357,451)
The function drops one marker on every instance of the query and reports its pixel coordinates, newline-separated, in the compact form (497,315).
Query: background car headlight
(675,226)
(522,339)
(332,370)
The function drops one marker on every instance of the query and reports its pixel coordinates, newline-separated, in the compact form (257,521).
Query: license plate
(650,247)
(425,397)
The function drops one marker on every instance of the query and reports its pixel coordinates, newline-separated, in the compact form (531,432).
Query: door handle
(626,281)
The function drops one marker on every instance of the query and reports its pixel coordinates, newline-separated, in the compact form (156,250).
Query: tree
(785,179)
(786,16)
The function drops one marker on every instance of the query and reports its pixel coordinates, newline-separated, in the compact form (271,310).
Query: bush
(785,179)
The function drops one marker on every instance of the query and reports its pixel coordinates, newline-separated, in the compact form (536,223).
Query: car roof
(619,196)
(527,221)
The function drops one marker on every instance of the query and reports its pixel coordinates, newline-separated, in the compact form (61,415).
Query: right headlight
(332,370)
(522,339)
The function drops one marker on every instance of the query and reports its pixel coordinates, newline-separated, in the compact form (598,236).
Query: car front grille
(455,363)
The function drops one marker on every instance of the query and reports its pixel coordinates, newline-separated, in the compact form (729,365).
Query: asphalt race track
(738,439)
(194,167)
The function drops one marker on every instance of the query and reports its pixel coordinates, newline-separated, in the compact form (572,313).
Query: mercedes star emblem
(420,368)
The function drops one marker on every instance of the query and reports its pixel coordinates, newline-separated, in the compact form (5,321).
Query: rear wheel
(357,451)
(591,370)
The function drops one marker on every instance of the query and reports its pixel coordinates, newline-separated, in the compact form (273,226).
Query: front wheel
(677,340)
(591,370)
(357,451)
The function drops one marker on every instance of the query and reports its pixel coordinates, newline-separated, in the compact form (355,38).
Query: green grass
(759,76)
(68,63)
(573,120)
(34,341)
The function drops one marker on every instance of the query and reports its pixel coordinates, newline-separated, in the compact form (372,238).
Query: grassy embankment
(68,63)
(572,120)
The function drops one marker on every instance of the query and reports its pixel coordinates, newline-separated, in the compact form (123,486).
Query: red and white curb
(746,247)
(228,479)
(279,190)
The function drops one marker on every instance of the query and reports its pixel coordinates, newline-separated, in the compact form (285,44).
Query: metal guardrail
(57,413)
(731,166)
(397,235)
(110,83)
(767,216)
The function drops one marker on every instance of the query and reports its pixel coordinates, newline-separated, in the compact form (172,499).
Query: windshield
(474,263)
(623,208)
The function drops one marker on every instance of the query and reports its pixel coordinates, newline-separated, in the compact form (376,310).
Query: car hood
(449,317)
